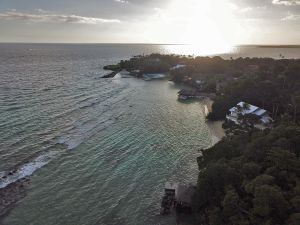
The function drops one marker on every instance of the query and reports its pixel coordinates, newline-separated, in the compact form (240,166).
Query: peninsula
(252,176)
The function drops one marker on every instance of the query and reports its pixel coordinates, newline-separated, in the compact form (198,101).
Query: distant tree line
(268,83)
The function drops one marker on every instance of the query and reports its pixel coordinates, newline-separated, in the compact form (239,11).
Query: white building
(242,109)
(178,66)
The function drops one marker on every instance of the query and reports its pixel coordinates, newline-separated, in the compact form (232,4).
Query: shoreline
(216,130)
(14,192)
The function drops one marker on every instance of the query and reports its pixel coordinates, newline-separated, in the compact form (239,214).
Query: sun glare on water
(204,27)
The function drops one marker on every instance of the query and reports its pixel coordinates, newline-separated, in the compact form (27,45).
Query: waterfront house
(168,199)
(184,197)
(252,115)
(178,196)
(178,66)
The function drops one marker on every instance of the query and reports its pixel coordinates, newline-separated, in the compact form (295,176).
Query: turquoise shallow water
(99,150)
(116,176)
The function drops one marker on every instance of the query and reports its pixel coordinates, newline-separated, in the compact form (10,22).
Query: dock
(177,197)
(186,94)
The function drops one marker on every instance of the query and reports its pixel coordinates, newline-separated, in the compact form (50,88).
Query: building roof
(184,193)
(178,67)
(251,109)
(259,112)
(171,186)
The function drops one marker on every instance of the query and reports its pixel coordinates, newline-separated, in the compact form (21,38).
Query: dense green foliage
(154,63)
(275,87)
(251,178)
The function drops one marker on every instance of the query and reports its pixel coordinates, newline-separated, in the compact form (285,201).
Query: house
(244,112)
(170,188)
(177,196)
(178,66)
(168,199)
(184,196)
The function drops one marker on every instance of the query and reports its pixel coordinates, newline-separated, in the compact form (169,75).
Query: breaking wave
(26,170)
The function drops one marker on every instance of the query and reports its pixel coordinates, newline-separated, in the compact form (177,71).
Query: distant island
(272,46)
(252,176)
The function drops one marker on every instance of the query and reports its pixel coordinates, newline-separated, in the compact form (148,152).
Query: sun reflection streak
(198,50)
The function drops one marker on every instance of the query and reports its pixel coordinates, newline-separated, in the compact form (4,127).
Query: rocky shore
(110,75)
(12,194)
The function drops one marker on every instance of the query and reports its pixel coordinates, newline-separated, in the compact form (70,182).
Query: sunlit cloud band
(286,2)
(19,16)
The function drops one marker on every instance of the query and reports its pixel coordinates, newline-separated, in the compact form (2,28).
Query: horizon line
(140,43)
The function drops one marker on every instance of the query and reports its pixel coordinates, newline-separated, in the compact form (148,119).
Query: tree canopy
(252,178)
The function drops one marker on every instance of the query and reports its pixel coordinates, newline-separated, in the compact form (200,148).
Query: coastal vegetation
(267,83)
(253,177)
(250,177)
(139,65)
(274,87)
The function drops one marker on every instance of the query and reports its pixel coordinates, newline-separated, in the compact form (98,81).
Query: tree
(215,216)
(251,170)
(269,201)
(294,219)
(231,203)
(263,179)
(284,159)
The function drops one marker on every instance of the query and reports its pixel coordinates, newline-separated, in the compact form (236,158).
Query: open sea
(98,151)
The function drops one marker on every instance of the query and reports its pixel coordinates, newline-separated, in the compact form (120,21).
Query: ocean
(98,151)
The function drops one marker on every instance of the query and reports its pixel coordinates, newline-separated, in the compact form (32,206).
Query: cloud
(122,1)
(286,2)
(41,11)
(292,17)
(18,16)
(247,9)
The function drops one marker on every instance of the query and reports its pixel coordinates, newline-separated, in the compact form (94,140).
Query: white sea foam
(117,76)
(27,169)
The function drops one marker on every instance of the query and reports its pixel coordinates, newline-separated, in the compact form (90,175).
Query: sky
(205,22)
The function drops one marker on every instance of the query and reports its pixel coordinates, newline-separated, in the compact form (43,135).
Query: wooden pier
(178,197)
